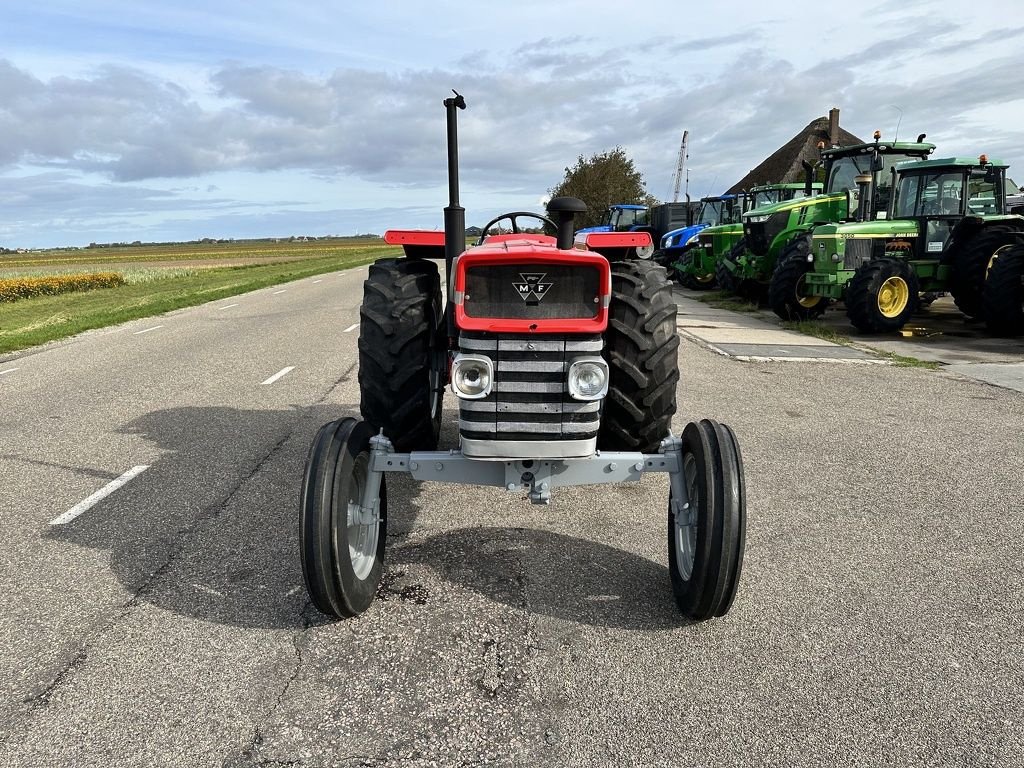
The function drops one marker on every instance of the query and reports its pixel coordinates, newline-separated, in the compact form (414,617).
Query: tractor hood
(790,205)
(677,238)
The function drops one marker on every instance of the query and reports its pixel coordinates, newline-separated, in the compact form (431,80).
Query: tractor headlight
(692,240)
(588,379)
(759,219)
(472,376)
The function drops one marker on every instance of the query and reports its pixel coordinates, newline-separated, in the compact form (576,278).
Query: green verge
(29,322)
(726,300)
(823,332)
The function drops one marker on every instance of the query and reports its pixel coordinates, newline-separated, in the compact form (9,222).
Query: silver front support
(537,476)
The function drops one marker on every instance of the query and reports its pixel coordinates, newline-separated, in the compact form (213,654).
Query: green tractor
(695,267)
(773,233)
(674,244)
(946,225)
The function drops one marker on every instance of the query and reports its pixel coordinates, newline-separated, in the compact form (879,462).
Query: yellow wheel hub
(893,296)
(807,302)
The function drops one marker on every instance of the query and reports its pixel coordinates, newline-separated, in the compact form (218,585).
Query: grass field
(161,278)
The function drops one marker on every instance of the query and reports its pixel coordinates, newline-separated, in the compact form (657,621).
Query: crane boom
(680,166)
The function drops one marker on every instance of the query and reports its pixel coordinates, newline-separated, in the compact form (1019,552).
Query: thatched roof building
(784,165)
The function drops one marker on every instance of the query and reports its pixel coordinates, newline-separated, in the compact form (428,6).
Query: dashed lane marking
(351,328)
(317,281)
(228,306)
(102,493)
(9,370)
(279,374)
(147,330)
(281,291)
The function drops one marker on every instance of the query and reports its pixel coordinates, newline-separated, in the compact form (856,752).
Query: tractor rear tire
(970,263)
(641,346)
(882,296)
(342,558)
(1004,292)
(402,352)
(784,292)
(706,539)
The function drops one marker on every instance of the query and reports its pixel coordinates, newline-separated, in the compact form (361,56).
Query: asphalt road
(880,619)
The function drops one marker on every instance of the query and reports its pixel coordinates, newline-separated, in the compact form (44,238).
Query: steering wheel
(513,217)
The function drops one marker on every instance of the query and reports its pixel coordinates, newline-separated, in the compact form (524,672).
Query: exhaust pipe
(454,214)
(808,178)
(864,203)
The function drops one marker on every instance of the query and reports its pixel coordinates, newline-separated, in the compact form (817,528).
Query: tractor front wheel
(882,296)
(725,277)
(341,543)
(706,533)
(402,352)
(786,294)
(641,346)
(1004,292)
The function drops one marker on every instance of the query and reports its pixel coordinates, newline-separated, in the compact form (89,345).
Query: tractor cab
(620,217)
(938,194)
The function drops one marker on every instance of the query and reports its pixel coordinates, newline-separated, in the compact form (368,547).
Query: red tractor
(563,365)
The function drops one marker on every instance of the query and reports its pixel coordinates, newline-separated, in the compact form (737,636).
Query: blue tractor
(716,210)
(656,220)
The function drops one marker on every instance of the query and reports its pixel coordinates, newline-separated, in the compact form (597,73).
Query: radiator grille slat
(530,398)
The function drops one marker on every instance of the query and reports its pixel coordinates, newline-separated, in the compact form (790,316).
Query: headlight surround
(759,219)
(692,240)
(588,378)
(472,376)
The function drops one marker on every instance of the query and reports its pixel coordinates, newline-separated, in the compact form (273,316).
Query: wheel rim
(362,537)
(893,296)
(645,251)
(685,538)
(807,302)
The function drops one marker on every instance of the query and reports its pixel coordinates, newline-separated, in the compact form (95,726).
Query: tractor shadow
(210,530)
(554,574)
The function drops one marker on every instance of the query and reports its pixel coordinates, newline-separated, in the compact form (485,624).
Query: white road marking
(279,374)
(351,328)
(292,591)
(318,281)
(9,370)
(281,291)
(147,330)
(102,493)
(229,306)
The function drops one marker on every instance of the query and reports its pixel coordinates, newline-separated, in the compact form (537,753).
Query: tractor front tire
(706,538)
(402,352)
(970,264)
(641,346)
(785,292)
(724,277)
(882,296)
(1004,292)
(342,555)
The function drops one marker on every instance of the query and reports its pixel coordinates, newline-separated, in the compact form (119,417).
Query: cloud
(707,43)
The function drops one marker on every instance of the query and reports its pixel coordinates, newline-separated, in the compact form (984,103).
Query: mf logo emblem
(533,285)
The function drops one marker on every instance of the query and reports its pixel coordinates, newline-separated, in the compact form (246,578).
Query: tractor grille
(759,235)
(858,251)
(529,399)
(533,291)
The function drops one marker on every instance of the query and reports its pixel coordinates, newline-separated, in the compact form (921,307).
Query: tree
(600,181)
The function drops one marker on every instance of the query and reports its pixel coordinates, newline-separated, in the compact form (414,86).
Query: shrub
(12,289)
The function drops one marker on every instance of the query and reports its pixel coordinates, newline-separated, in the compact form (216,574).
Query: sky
(138,120)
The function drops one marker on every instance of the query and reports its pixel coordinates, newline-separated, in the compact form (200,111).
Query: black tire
(785,296)
(402,352)
(707,540)
(334,474)
(970,264)
(641,347)
(724,277)
(867,297)
(1004,292)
